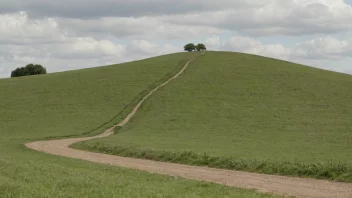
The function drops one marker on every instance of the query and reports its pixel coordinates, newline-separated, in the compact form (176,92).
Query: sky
(73,34)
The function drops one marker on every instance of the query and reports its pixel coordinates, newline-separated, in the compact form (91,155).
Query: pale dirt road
(289,186)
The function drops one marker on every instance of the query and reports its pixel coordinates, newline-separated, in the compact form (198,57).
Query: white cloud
(144,49)
(295,17)
(135,28)
(213,42)
(252,46)
(24,40)
(324,52)
(118,8)
(80,52)
(17,28)
(241,43)
(74,34)
(87,46)
(319,48)
(274,50)
(324,48)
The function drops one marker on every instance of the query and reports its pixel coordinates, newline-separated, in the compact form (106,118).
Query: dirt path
(281,185)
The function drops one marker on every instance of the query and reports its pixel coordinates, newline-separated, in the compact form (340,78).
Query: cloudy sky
(71,34)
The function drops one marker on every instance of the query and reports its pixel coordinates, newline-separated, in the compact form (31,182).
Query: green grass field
(78,103)
(245,112)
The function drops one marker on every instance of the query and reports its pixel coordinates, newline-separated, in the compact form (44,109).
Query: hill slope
(72,103)
(245,112)
(75,103)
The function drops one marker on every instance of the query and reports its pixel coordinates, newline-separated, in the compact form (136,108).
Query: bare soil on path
(281,185)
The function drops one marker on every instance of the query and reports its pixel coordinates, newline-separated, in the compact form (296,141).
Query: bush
(28,70)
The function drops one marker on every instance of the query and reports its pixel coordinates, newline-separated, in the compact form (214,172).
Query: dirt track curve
(289,186)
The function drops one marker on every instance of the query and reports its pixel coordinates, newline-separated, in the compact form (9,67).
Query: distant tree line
(28,70)
(190,47)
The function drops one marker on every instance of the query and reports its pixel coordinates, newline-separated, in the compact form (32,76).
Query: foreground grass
(245,112)
(30,174)
(77,103)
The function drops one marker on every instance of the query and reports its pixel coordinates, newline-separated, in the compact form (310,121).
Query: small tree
(190,47)
(28,70)
(201,47)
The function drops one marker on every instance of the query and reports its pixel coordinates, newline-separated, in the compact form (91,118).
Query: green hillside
(245,112)
(83,102)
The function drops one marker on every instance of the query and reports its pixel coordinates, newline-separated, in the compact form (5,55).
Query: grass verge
(331,171)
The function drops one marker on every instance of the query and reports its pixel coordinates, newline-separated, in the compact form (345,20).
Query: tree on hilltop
(28,70)
(201,47)
(190,47)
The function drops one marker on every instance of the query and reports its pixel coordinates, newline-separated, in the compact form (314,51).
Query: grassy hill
(83,102)
(245,112)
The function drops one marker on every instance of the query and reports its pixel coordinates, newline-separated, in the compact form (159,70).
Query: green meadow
(80,103)
(245,112)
